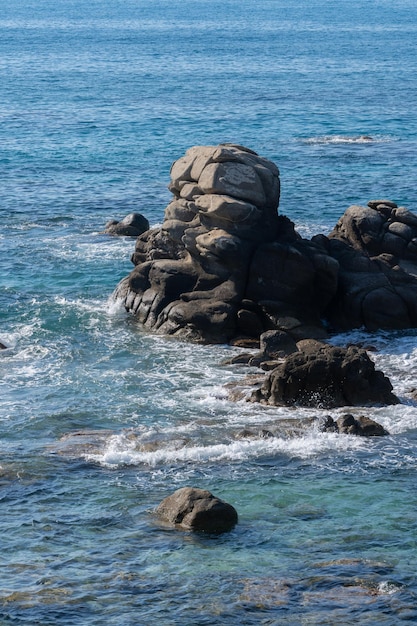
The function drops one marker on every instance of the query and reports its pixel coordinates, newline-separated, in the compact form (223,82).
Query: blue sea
(101,420)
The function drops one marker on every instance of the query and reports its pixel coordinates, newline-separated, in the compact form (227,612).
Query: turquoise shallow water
(99,420)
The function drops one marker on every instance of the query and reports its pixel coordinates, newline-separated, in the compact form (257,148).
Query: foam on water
(119,451)
(342,139)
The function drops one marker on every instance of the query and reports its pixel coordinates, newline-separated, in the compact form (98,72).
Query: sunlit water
(100,420)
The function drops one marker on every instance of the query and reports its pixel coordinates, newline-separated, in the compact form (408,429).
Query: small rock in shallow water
(199,510)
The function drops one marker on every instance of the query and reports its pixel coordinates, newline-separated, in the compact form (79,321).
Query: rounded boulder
(196,509)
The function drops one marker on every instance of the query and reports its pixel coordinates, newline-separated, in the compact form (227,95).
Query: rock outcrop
(324,376)
(223,263)
(132,225)
(376,249)
(348,424)
(197,509)
(225,267)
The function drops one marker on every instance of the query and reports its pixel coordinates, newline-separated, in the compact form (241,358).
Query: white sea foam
(122,451)
(346,139)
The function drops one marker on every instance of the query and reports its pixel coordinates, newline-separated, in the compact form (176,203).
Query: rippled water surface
(100,420)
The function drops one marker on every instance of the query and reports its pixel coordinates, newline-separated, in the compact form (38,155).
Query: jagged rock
(274,345)
(225,267)
(348,424)
(376,248)
(132,225)
(190,274)
(224,264)
(326,376)
(198,510)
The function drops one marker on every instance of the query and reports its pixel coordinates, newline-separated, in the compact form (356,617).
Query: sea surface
(101,420)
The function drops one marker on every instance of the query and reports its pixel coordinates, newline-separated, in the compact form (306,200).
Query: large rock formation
(225,265)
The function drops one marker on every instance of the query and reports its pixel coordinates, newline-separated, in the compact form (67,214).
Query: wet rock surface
(198,510)
(225,267)
(324,376)
(132,225)
(348,424)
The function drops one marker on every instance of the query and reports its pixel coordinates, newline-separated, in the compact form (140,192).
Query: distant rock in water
(132,225)
(199,510)
(225,267)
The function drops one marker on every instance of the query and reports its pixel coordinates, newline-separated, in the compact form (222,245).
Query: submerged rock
(197,509)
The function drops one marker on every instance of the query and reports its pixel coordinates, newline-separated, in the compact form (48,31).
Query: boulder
(348,424)
(324,377)
(198,510)
(376,249)
(132,225)
(274,346)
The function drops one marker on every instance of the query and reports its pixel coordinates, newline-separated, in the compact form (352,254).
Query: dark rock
(326,377)
(268,366)
(374,204)
(245,342)
(349,425)
(328,425)
(276,344)
(239,359)
(132,225)
(2,346)
(377,258)
(369,428)
(293,283)
(198,510)
(246,433)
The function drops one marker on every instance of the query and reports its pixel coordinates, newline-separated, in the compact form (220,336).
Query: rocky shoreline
(225,267)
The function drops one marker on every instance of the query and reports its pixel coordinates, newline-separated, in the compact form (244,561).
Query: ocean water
(101,420)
